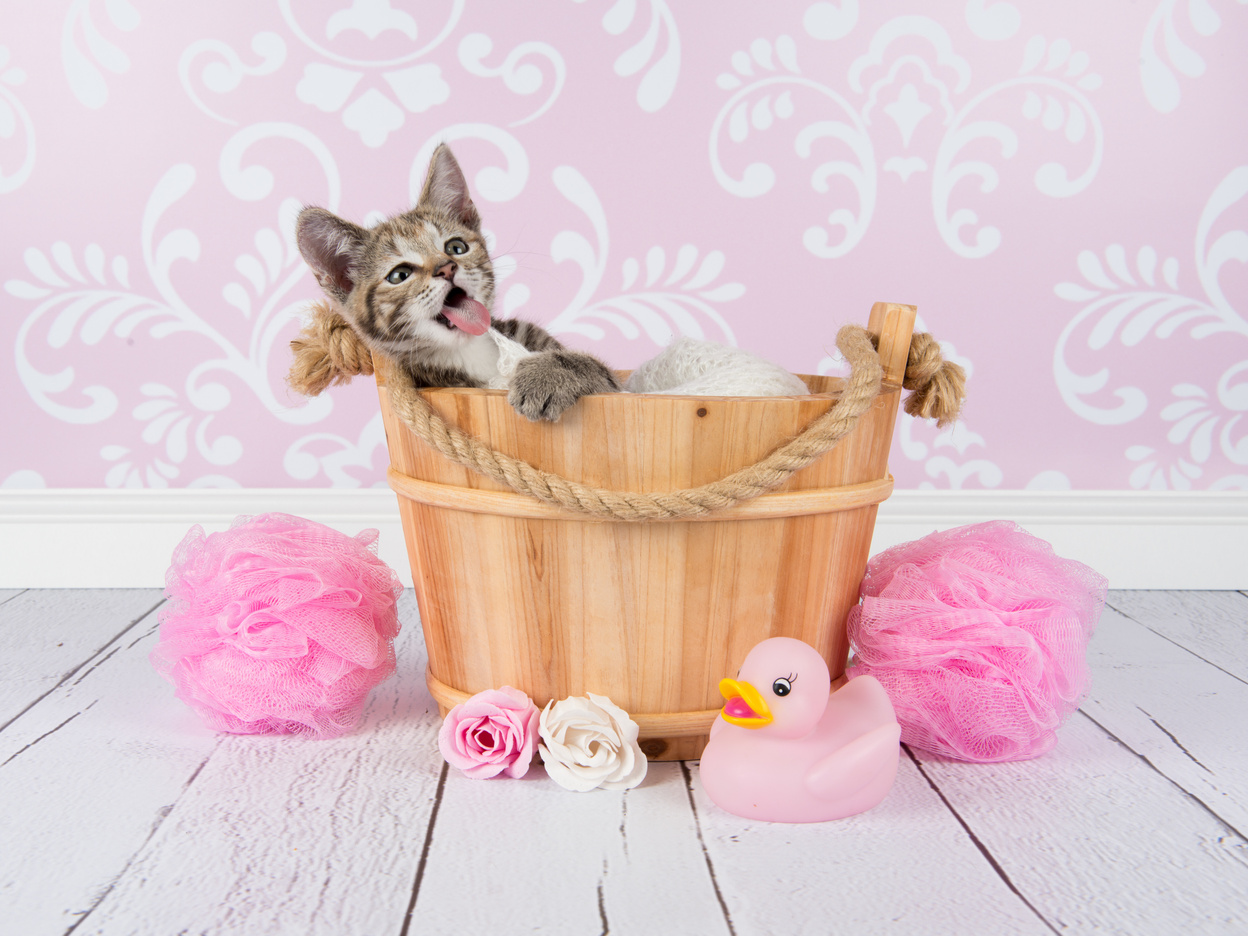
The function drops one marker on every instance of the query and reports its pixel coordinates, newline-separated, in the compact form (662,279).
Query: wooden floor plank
(1170,706)
(1212,625)
(286,835)
(132,818)
(905,867)
(88,773)
(1101,842)
(50,636)
(566,863)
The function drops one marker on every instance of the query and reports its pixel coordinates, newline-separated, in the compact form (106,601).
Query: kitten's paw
(545,385)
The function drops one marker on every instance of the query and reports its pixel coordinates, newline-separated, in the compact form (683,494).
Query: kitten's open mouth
(461,312)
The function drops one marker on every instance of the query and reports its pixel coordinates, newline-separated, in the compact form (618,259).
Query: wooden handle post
(894,325)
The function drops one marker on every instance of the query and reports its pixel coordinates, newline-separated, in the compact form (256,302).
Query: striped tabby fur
(396,283)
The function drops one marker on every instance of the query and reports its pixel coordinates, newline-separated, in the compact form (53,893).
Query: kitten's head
(422,279)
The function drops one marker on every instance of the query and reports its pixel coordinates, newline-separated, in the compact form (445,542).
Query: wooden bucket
(514,591)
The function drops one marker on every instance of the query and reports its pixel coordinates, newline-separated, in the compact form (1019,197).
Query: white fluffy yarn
(510,353)
(688,367)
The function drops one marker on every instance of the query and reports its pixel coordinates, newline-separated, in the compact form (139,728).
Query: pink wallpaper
(1060,186)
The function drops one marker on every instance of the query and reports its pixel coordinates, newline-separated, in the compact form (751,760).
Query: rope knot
(327,351)
(937,386)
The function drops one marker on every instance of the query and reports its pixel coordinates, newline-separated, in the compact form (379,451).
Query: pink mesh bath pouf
(278,625)
(979,635)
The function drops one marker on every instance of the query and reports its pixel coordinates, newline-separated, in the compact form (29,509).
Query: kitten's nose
(446,270)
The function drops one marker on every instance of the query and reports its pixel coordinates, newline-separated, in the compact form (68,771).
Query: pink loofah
(278,626)
(980,635)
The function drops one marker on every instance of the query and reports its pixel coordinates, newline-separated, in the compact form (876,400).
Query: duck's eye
(456,246)
(782,687)
(399,273)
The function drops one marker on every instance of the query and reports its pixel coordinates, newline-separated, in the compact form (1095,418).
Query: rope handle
(937,391)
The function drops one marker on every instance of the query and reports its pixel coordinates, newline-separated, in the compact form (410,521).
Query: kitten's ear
(446,189)
(332,247)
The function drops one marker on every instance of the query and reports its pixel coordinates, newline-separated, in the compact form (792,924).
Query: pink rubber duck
(784,750)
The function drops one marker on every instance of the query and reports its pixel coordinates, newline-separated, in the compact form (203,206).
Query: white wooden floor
(120,814)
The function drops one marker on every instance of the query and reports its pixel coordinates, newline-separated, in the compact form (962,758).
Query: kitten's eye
(456,246)
(399,273)
(782,687)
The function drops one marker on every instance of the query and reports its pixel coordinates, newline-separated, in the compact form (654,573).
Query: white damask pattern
(662,69)
(376,112)
(82,62)
(72,304)
(661,313)
(1117,305)
(367,452)
(1052,78)
(993,21)
(226,70)
(1163,51)
(14,123)
(747,173)
(519,76)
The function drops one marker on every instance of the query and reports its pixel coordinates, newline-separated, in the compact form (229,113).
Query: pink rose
(493,732)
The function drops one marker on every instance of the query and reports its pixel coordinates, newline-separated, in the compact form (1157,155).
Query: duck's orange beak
(745,706)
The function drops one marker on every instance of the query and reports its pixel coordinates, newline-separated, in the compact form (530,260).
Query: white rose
(589,743)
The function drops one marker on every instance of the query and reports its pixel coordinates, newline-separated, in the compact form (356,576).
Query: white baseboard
(90,538)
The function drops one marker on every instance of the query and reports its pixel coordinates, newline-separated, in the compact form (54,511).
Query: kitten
(418,288)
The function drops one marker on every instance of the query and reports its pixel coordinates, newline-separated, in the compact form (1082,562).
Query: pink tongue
(739,708)
(468,315)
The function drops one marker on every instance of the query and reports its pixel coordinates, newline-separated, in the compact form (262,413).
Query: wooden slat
(285,835)
(89,771)
(1212,625)
(1169,705)
(1099,842)
(526,856)
(1120,828)
(129,817)
(905,867)
(50,636)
